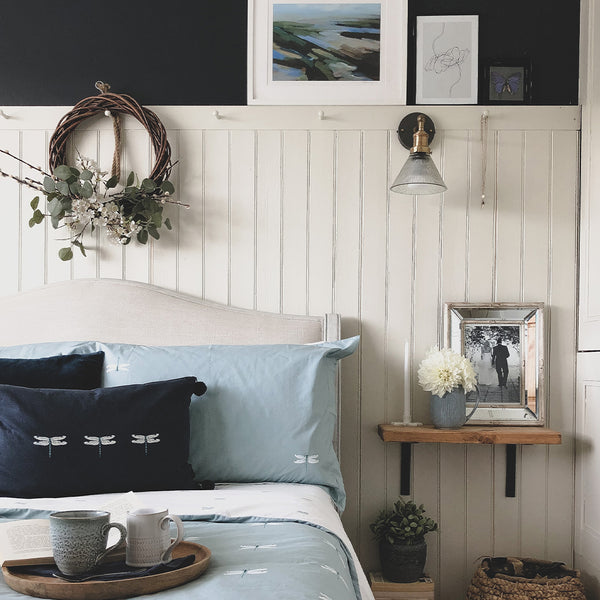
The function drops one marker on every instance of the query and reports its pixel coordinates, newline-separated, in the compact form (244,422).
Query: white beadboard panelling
(242,221)
(34,247)
(163,259)
(291,213)
(190,224)
(294,215)
(373,319)
(268,221)
(217,212)
(561,361)
(320,221)
(347,295)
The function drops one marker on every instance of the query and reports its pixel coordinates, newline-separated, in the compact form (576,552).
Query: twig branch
(36,185)
(38,169)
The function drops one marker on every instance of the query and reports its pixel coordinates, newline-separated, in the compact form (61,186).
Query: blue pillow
(269,413)
(75,442)
(69,371)
(45,349)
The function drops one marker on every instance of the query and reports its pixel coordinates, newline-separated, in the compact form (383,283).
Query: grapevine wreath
(83,197)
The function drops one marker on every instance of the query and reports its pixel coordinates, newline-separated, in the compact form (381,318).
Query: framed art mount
(318,52)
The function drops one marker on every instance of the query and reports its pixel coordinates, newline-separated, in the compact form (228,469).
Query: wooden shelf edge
(469,435)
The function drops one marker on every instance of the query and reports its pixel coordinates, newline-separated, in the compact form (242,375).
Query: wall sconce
(419,175)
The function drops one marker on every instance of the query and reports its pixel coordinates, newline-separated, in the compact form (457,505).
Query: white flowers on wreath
(442,371)
(82,198)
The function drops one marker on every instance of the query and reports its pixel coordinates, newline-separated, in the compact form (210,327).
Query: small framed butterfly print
(507,82)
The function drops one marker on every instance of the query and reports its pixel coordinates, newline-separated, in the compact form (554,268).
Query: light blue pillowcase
(46,349)
(268,415)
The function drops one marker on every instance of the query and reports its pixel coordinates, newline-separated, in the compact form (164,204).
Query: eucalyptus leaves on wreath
(82,198)
(405,523)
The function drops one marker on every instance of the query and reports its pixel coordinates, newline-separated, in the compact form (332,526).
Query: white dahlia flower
(442,371)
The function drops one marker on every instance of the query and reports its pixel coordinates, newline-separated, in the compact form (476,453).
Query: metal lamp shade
(419,175)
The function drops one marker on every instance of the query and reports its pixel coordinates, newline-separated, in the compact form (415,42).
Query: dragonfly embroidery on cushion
(336,573)
(306,459)
(117,367)
(103,440)
(57,440)
(247,572)
(151,438)
(257,546)
(323,596)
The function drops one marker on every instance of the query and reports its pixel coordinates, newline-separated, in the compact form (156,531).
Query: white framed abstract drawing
(318,52)
(447,59)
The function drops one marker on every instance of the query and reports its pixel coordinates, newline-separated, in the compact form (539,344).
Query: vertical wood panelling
(536,239)
(294,240)
(347,295)
(268,221)
(373,316)
(561,360)
(242,222)
(163,265)
(34,247)
(299,218)
(453,520)
(320,222)
(508,269)
(216,214)
(191,221)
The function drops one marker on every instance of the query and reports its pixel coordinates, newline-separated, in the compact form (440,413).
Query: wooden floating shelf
(469,434)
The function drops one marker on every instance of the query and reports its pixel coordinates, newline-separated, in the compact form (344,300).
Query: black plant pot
(402,563)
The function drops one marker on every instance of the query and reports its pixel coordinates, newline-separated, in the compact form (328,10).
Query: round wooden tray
(48,587)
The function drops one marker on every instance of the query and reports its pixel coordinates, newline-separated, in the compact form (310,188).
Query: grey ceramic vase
(450,410)
(402,563)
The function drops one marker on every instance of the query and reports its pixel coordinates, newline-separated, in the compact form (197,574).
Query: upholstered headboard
(112,310)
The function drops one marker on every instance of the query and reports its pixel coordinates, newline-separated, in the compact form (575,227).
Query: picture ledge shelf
(469,434)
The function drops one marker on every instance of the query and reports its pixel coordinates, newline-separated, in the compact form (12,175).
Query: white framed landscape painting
(315,52)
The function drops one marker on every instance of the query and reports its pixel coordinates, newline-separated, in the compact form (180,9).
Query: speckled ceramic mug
(79,539)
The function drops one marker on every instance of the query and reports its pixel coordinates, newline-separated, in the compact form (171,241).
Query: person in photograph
(486,350)
(500,356)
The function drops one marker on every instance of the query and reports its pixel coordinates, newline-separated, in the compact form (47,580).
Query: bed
(265,430)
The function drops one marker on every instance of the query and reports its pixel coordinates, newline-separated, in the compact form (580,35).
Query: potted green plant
(400,532)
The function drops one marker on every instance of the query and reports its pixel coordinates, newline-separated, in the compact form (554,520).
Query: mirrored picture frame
(505,343)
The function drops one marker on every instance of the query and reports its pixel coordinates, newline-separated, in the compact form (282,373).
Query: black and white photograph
(495,351)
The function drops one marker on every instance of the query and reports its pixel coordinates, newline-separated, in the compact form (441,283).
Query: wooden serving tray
(50,587)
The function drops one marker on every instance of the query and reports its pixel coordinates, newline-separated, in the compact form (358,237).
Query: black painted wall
(546,32)
(194,51)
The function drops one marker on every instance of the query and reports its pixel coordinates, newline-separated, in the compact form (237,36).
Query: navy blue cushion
(68,371)
(75,442)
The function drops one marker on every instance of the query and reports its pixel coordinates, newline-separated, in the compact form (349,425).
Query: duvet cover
(268,541)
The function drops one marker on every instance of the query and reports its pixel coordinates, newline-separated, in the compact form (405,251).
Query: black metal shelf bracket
(406,460)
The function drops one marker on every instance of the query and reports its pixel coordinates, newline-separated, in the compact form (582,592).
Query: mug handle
(105,529)
(166,556)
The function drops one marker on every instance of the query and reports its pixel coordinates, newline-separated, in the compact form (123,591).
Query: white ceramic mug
(149,538)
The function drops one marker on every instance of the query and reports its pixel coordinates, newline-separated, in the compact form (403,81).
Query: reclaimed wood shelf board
(469,435)
(509,436)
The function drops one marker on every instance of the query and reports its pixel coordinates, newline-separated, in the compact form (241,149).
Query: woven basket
(524,579)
